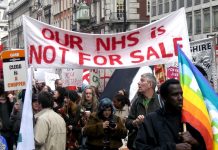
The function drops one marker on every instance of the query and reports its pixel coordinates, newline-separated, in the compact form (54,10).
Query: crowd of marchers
(66,119)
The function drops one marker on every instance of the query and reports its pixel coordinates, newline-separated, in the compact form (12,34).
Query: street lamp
(82,14)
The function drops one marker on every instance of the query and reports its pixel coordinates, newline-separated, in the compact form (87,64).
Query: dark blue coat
(160,131)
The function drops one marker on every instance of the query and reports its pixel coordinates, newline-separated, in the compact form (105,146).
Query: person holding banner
(163,128)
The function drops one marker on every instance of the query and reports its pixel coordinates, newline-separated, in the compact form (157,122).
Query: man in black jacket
(163,129)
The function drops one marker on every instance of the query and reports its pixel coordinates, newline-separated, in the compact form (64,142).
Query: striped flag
(86,75)
(200,102)
(26,135)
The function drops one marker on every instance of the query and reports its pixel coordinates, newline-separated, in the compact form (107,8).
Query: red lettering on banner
(126,40)
(115,42)
(153,32)
(100,60)
(157,31)
(66,37)
(37,54)
(42,53)
(45,56)
(139,58)
(82,58)
(152,52)
(47,34)
(175,43)
(100,42)
(131,37)
(163,51)
(161,30)
(75,40)
(68,40)
(63,54)
(115,58)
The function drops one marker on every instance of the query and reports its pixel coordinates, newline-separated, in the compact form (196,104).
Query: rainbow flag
(200,102)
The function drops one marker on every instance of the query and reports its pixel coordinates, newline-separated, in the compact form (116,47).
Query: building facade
(41,10)
(3,30)
(15,32)
(37,9)
(3,19)
(62,14)
(202,15)
(107,16)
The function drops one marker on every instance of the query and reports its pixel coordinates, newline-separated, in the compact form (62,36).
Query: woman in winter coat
(104,130)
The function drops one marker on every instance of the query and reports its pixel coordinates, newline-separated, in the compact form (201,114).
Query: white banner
(26,135)
(155,43)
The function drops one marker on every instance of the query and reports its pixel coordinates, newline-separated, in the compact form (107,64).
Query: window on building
(153,8)
(65,23)
(189,23)
(181,3)
(166,6)
(160,7)
(148,7)
(206,13)
(119,29)
(189,3)
(197,22)
(205,1)
(174,5)
(197,2)
(215,18)
(120,9)
(5,29)
(102,9)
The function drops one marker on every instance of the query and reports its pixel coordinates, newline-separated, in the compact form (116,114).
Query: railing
(114,16)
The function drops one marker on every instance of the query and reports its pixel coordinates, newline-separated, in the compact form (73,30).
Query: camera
(112,124)
(106,140)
